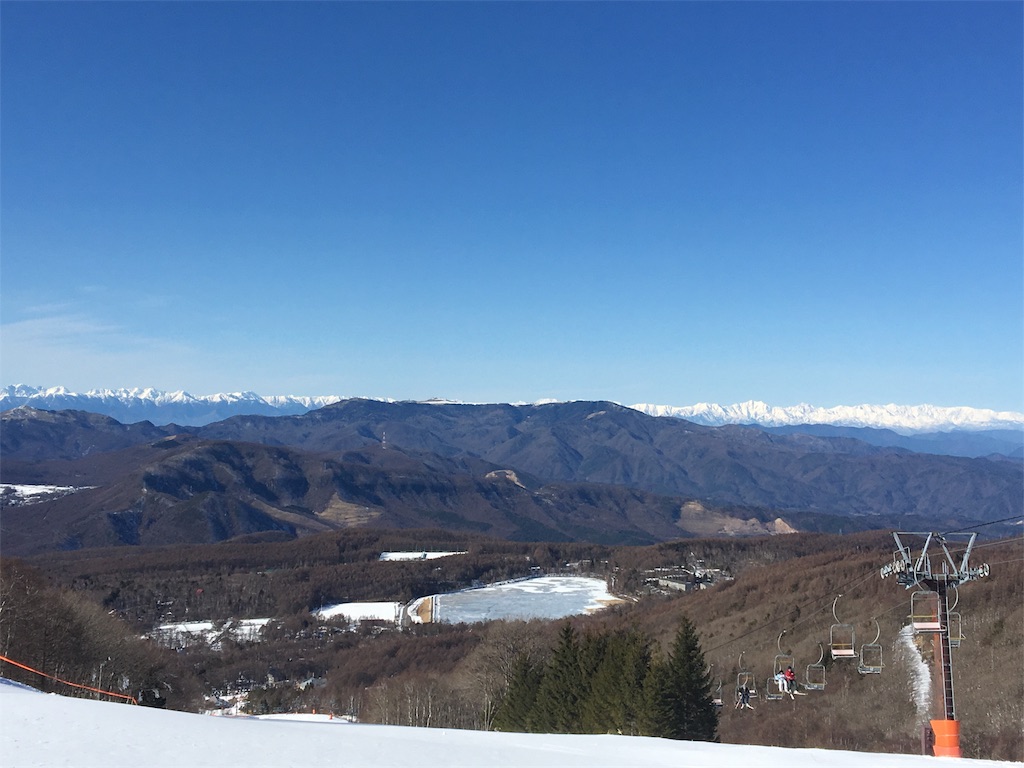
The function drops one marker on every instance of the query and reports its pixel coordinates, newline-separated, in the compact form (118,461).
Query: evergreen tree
(562,690)
(516,712)
(678,692)
(615,694)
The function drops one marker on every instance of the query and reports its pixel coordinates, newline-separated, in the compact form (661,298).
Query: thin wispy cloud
(79,349)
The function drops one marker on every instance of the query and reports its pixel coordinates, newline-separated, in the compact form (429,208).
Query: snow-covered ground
(43,731)
(386,611)
(180,633)
(416,555)
(545,597)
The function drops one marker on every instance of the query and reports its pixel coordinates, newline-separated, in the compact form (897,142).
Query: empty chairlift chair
(956,629)
(814,680)
(716,687)
(924,611)
(956,624)
(842,638)
(871,655)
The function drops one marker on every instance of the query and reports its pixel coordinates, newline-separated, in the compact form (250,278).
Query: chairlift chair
(716,696)
(782,659)
(956,623)
(745,678)
(956,629)
(814,679)
(842,638)
(924,611)
(871,655)
(772,691)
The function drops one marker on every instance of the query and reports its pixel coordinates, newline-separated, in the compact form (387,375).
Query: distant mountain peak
(149,404)
(181,407)
(906,419)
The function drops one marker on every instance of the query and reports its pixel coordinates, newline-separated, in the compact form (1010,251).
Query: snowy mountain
(133,405)
(904,419)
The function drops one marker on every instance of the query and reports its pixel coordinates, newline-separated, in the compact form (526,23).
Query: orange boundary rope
(132,699)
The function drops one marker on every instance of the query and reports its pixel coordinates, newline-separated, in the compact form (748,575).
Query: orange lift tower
(930,613)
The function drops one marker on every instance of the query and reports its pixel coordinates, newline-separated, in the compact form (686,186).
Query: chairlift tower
(930,612)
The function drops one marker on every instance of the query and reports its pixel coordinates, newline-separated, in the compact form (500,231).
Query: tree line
(66,638)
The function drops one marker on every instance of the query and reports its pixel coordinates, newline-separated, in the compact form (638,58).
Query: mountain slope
(583,471)
(608,443)
(187,490)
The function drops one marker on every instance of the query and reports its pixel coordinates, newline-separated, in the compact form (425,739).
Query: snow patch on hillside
(920,675)
(14,495)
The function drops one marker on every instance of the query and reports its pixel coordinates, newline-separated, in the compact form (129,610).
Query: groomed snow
(44,731)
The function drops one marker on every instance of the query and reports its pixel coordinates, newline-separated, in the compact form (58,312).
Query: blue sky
(666,203)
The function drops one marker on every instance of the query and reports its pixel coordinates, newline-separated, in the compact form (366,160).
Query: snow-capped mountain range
(160,407)
(133,405)
(906,419)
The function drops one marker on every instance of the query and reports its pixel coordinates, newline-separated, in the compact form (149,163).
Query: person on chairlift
(791,685)
(743,700)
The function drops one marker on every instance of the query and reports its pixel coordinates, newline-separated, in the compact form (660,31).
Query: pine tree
(615,694)
(562,689)
(516,712)
(678,692)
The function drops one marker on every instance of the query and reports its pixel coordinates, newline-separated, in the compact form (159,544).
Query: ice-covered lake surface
(544,597)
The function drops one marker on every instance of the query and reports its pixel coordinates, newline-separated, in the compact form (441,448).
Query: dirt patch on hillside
(348,515)
(425,610)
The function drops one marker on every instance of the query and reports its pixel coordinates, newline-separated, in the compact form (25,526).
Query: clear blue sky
(666,203)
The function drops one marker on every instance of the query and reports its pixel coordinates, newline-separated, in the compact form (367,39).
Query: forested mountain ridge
(586,471)
(607,443)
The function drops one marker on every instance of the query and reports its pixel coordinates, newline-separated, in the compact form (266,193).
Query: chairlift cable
(982,525)
(822,599)
(844,588)
(1000,542)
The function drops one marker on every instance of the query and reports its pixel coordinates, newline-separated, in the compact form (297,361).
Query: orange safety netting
(132,699)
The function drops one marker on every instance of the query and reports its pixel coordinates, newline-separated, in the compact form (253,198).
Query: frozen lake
(545,597)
